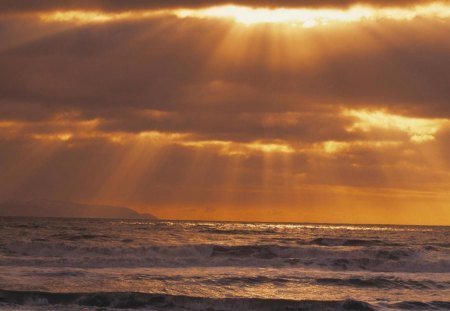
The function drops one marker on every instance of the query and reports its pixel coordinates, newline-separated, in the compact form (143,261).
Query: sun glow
(418,129)
(54,137)
(305,17)
(249,15)
(271,147)
(314,17)
(241,149)
(78,16)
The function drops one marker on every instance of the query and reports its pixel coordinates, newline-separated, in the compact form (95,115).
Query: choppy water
(79,264)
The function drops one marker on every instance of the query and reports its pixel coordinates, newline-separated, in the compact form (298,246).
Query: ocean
(100,264)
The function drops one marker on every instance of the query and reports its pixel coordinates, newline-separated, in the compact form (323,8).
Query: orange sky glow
(251,112)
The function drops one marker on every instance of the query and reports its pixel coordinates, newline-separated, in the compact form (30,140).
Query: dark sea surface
(98,264)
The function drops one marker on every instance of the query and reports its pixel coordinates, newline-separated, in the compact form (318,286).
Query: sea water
(84,264)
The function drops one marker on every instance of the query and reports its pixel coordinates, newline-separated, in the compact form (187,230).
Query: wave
(255,251)
(350,242)
(78,237)
(155,301)
(419,305)
(134,300)
(353,282)
(322,241)
(124,254)
(383,283)
(234,231)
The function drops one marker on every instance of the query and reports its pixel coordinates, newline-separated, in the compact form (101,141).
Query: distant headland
(49,208)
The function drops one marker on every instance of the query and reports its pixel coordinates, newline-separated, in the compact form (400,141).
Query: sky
(251,110)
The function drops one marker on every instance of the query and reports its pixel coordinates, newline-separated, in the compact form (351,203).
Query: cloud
(167,111)
(112,74)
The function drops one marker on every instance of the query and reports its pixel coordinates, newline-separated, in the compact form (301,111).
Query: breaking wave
(131,300)
(150,301)
(373,258)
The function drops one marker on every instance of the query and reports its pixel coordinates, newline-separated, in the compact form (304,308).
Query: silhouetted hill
(44,208)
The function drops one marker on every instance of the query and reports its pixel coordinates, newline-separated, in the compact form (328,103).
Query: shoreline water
(216,265)
(134,300)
